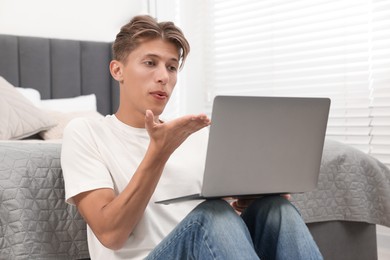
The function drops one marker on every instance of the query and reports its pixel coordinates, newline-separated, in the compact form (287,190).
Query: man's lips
(159,95)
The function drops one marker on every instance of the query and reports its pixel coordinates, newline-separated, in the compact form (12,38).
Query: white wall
(383,240)
(190,97)
(98,20)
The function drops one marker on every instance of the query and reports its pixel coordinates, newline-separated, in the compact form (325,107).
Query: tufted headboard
(60,68)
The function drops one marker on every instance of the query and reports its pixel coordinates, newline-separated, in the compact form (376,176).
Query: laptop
(262,145)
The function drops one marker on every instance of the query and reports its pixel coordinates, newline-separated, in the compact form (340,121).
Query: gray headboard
(60,68)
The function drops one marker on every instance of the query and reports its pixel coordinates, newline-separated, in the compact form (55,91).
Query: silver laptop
(263,145)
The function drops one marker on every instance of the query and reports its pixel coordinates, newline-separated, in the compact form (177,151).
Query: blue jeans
(270,228)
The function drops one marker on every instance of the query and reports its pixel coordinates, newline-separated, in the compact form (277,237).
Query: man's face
(148,77)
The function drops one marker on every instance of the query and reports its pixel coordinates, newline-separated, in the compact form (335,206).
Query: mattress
(352,186)
(35,221)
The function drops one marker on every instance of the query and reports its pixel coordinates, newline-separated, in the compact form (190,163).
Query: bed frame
(60,68)
(68,68)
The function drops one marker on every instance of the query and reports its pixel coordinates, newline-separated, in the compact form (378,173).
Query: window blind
(333,48)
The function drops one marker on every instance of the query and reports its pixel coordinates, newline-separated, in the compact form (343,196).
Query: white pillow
(19,118)
(63,119)
(31,94)
(65,105)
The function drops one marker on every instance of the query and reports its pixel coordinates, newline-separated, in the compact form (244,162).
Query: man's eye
(172,68)
(149,63)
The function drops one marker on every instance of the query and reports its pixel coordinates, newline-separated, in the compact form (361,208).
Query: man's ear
(116,70)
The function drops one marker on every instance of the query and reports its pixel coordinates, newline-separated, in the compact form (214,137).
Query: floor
(383,254)
(383,241)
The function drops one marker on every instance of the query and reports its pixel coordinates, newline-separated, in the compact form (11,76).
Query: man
(117,167)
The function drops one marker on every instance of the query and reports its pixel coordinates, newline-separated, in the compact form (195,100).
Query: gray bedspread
(36,223)
(352,186)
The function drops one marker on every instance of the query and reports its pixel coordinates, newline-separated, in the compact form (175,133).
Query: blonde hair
(145,27)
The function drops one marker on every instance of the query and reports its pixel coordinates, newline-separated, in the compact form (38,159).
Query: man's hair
(145,27)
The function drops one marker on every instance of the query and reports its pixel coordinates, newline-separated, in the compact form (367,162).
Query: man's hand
(170,135)
(240,205)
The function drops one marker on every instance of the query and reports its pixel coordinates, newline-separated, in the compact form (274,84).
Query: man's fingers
(149,119)
(192,123)
(287,196)
(179,128)
(199,121)
(203,118)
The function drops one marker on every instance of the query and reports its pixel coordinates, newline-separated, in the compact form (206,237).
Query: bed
(353,194)
(35,222)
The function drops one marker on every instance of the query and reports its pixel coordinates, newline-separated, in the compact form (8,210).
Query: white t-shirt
(104,153)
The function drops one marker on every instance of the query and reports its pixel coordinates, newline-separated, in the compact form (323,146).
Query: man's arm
(113,217)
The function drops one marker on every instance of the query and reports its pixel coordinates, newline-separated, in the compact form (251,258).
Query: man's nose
(162,75)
